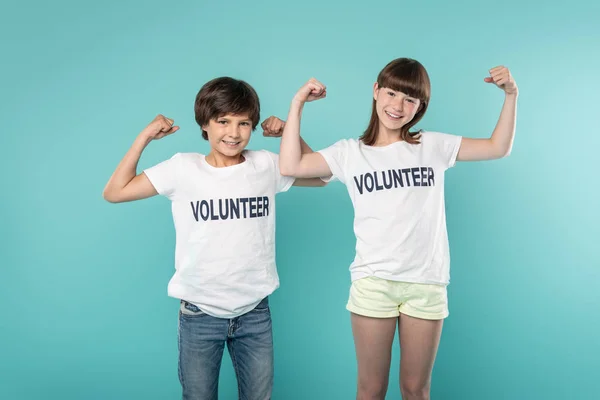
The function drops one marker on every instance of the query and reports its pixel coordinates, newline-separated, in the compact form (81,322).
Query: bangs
(238,102)
(408,77)
(229,96)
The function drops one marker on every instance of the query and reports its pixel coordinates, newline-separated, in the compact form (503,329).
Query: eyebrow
(229,119)
(405,94)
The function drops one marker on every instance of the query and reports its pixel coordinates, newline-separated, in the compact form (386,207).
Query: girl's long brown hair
(409,77)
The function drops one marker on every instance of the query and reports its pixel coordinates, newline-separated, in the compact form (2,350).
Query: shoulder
(351,142)
(260,155)
(189,156)
(261,158)
(186,159)
(434,136)
(344,144)
(182,161)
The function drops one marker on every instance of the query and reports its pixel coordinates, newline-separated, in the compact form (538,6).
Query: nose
(234,132)
(398,104)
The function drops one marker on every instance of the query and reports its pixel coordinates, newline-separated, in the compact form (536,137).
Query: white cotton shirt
(225,229)
(399,213)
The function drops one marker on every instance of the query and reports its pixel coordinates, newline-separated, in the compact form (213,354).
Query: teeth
(392,115)
(231,143)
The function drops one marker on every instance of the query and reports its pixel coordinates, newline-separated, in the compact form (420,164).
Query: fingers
(310,91)
(277,125)
(171,131)
(265,124)
(314,88)
(317,83)
(163,126)
(163,123)
(502,78)
(498,73)
(317,88)
(272,127)
(495,75)
(167,123)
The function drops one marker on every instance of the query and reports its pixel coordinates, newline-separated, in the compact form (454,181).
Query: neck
(387,136)
(219,160)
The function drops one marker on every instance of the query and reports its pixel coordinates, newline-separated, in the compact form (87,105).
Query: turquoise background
(83,304)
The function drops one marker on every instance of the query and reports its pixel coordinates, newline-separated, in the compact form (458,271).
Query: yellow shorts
(380,298)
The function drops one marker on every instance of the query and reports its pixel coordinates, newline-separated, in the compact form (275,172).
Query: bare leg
(419,341)
(373,338)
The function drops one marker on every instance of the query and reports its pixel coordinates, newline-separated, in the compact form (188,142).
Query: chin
(231,152)
(392,126)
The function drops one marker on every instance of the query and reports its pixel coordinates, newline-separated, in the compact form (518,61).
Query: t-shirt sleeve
(164,176)
(445,147)
(336,157)
(282,183)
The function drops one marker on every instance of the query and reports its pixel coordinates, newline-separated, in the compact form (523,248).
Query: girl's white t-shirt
(399,212)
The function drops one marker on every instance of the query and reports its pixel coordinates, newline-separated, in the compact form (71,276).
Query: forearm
(292,145)
(504,132)
(126,170)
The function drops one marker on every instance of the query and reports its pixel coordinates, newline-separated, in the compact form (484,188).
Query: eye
(411,100)
(392,94)
(245,123)
(222,122)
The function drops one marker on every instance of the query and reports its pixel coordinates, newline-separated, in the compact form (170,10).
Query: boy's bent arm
(124,184)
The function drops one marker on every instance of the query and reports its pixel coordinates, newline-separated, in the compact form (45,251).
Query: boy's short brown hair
(225,95)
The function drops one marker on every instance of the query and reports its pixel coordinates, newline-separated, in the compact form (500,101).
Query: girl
(395,179)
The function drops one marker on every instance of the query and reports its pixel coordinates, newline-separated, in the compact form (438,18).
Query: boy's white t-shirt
(225,229)
(399,212)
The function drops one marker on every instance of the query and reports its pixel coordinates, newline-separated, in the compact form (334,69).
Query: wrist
(142,140)
(297,105)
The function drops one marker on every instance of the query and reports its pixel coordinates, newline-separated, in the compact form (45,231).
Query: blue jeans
(249,339)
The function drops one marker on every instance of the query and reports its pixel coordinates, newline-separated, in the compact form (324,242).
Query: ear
(375,91)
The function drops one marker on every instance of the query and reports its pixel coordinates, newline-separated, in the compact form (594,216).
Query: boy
(223,208)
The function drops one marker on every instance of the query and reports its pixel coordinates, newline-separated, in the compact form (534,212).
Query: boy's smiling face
(229,134)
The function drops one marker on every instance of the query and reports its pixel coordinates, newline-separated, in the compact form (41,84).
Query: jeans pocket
(189,309)
(263,306)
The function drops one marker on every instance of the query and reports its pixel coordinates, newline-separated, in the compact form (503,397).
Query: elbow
(109,196)
(505,152)
(499,150)
(286,170)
